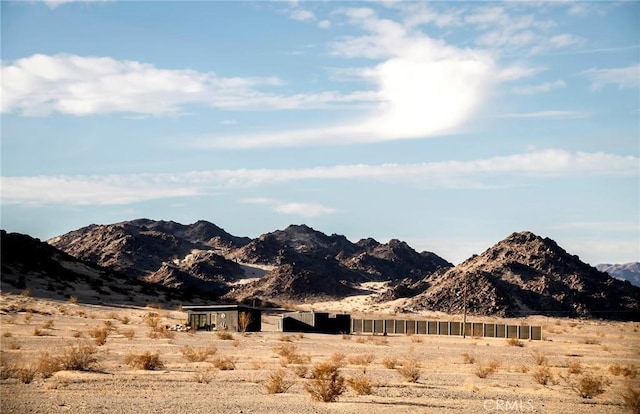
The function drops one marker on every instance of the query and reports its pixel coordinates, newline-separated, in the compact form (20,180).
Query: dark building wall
(224,318)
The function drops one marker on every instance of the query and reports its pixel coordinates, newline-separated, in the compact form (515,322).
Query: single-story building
(318,322)
(236,318)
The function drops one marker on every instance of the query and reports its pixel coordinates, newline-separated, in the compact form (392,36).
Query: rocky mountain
(203,257)
(526,274)
(627,271)
(188,257)
(29,265)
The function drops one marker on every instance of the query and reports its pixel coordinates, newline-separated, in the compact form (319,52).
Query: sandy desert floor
(36,330)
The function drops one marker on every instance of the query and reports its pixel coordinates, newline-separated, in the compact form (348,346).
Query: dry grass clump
(515,342)
(631,398)
(484,370)
(390,362)
(364,359)
(198,354)
(379,340)
(148,361)
(289,354)
(416,339)
(539,357)
(277,383)
(346,336)
(326,384)
(543,375)
(588,386)
(26,373)
(224,363)
(574,367)
(224,335)
(13,344)
(301,370)
(8,366)
(361,384)
(40,331)
(410,368)
(124,320)
(128,333)
(48,324)
(203,375)
(74,358)
(361,339)
(468,358)
(99,335)
(628,371)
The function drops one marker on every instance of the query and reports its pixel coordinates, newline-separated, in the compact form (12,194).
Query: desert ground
(238,373)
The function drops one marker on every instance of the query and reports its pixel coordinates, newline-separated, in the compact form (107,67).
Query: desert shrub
(590,341)
(28,316)
(285,338)
(301,370)
(337,359)
(47,364)
(129,333)
(13,344)
(574,367)
(629,371)
(416,339)
(99,335)
(48,324)
(484,370)
(38,331)
(289,354)
(361,339)
(468,358)
(73,300)
(8,366)
(108,325)
(198,354)
(390,362)
(361,384)
(26,373)
(542,375)
(540,358)
(148,361)
(152,319)
(244,320)
(25,292)
(78,358)
(161,331)
(326,384)
(410,369)
(124,320)
(203,375)
(277,383)
(631,398)
(224,335)
(346,336)
(363,359)
(589,386)
(224,363)
(515,342)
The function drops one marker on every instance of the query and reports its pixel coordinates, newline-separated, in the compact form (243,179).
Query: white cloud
(324,24)
(298,209)
(539,88)
(40,85)
(565,39)
(55,3)
(625,77)
(482,173)
(302,15)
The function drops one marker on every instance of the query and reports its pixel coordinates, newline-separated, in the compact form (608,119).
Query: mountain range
(520,275)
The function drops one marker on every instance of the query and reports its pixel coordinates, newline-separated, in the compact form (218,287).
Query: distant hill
(29,265)
(527,274)
(627,271)
(521,275)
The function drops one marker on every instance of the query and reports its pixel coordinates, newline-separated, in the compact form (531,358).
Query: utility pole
(464,315)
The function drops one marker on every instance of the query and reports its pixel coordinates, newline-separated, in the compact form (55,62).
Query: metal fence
(410,327)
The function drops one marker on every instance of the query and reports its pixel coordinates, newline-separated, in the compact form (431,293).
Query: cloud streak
(297,209)
(482,173)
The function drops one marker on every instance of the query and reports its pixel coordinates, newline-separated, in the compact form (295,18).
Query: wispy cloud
(289,208)
(40,85)
(625,77)
(56,3)
(538,88)
(482,173)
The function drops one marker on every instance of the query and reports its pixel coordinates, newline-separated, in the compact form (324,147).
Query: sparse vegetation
(483,370)
(26,373)
(277,383)
(515,342)
(361,384)
(203,375)
(540,358)
(390,362)
(574,367)
(148,361)
(326,384)
(244,320)
(628,371)
(289,354)
(99,335)
(363,359)
(543,375)
(224,335)
(224,363)
(198,354)
(631,398)
(468,358)
(410,369)
(588,386)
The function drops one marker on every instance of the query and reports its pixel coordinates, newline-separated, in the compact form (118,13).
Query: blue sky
(448,125)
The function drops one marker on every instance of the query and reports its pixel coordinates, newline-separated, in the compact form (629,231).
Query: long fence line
(418,327)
